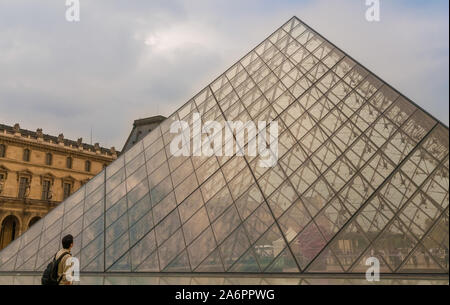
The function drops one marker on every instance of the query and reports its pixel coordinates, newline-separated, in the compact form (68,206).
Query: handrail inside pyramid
(361,172)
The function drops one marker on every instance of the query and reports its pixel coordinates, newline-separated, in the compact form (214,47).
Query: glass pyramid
(362,171)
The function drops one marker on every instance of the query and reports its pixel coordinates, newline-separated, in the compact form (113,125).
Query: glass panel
(420,261)
(152,136)
(182,172)
(96,265)
(186,188)
(269,246)
(179,264)
(141,227)
(116,250)
(93,230)
(283,263)
(294,220)
(136,178)
(50,233)
(167,227)
(226,223)
(26,253)
(116,229)
(258,222)
(90,251)
(115,180)
(194,226)
(74,229)
(213,263)
(190,205)
(326,262)
(247,263)
(233,247)
(212,185)
(133,165)
(171,248)
(137,193)
(142,249)
(282,199)
(361,266)
(115,166)
(164,208)
(114,196)
(150,264)
(201,247)
(94,183)
(156,161)
(307,245)
(349,245)
(161,190)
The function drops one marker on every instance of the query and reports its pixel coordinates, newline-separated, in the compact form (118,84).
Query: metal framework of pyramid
(362,171)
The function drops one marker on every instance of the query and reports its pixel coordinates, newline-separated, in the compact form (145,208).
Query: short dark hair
(67,241)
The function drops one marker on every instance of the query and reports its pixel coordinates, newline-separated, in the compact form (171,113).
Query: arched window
(87,166)
(9,230)
(48,159)
(2,150)
(33,221)
(26,155)
(69,162)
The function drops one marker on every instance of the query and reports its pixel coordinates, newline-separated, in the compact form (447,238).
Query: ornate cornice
(30,166)
(66,150)
(28,201)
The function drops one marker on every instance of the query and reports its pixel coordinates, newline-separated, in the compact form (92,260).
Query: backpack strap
(59,261)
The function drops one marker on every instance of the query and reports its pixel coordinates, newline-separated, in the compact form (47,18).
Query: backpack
(50,275)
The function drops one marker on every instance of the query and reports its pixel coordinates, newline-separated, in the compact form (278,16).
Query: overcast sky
(132,59)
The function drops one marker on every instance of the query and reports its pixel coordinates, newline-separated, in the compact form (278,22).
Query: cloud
(132,59)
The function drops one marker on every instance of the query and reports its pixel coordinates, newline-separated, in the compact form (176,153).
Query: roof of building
(139,131)
(54,139)
(149,120)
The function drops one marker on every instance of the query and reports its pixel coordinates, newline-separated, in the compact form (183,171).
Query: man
(63,267)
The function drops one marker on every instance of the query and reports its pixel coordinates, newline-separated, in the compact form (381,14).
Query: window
(67,187)
(26,155)
(33,221)
(24,187)
(48,159)
(46,191)
(2,150)
(69,162)
(8,230)
(87,166)
(2,181)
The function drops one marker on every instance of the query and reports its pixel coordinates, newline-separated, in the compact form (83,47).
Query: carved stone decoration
(97,148)
(16,129)
(39,133)
(3,177)
(27,190)
(50,193)
(61,138)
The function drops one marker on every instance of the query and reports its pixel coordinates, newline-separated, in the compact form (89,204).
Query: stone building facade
(39,171)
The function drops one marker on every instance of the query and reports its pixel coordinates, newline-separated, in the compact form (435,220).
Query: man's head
(67,242)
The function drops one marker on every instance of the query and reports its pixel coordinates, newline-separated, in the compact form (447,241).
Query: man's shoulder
(63,253)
